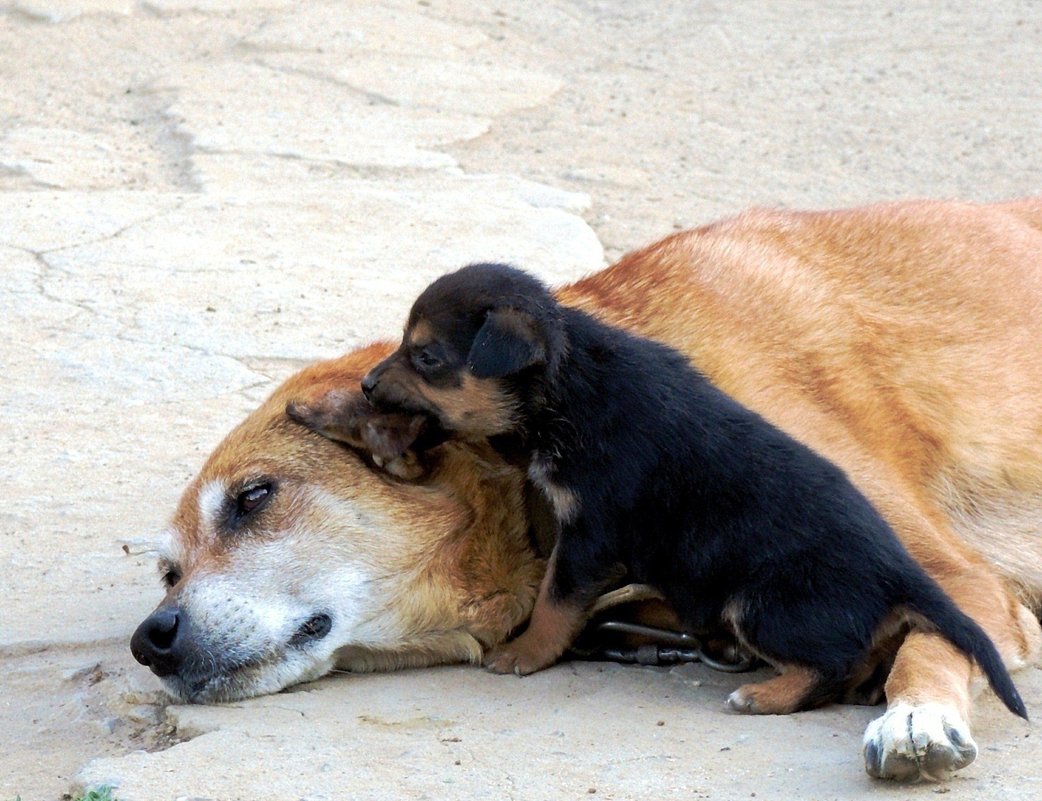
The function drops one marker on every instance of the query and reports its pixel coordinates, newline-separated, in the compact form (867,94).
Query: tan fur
(419,334)
(552,627)
(344,415)
(778,696)
(563,501)
(902,341)
(478,408)
(454,550)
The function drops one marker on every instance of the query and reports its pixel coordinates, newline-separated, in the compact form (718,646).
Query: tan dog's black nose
(155,644)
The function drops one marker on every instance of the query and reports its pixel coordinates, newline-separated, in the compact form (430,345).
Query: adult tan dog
(902,341)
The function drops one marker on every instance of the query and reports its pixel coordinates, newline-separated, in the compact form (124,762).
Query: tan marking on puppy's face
(466,334)
(419,334)
(428,375)
(479,407)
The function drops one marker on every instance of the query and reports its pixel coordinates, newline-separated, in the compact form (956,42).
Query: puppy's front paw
(517,657)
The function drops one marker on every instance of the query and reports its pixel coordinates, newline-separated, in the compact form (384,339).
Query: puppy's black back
(729,515)
(688,489)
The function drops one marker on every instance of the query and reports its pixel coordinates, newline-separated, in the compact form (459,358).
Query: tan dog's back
(905,334)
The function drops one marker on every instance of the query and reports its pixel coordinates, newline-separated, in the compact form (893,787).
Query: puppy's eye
(252,498)
(427,359)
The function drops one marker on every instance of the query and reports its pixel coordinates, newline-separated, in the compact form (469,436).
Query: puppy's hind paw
(778,696)
(739,702)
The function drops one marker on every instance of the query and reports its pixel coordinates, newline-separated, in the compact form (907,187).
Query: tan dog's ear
(348,417)
(507,343)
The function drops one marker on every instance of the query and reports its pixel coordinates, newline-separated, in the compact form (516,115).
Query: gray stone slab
(197,196)
(341,28)
(57,11)
(478,84)
(135,317)
(576,731)
(237,107)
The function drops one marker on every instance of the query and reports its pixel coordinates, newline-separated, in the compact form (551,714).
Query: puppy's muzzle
(383,387)
(372,379)
(369,384)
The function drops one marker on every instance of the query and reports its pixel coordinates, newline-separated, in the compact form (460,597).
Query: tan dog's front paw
(918,742)
(518,657)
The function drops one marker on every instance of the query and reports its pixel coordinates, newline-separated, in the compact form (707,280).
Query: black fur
(691,491)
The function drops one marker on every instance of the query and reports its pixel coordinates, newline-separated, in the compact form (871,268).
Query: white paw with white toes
(918,742)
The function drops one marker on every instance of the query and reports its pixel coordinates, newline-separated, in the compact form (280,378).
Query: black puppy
(655,474)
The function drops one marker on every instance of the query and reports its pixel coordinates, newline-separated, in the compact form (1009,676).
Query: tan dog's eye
(251,499)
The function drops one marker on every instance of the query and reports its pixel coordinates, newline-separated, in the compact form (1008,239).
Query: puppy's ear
(347,417)
(507,343)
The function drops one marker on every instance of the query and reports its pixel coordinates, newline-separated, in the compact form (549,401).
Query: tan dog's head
(291,553)
(470,337)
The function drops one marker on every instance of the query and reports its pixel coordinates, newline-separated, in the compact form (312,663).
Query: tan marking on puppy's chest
(563,500)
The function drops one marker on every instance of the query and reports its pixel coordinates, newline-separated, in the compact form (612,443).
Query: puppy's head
(473,339)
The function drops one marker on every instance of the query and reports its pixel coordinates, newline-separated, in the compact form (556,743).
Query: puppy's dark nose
(369,384)
(372,378)
(156,642)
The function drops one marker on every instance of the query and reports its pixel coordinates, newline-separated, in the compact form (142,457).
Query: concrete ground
(199,196)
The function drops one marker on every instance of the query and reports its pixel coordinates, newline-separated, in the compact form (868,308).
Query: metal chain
(670,648)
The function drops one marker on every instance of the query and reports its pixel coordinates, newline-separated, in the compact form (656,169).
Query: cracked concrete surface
(199,196)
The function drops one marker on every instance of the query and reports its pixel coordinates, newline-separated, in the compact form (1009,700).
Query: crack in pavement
(375,98)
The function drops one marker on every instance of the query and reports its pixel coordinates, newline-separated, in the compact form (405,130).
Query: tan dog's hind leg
(924,733)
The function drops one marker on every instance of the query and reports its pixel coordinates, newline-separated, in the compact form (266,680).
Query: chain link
(668,648)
